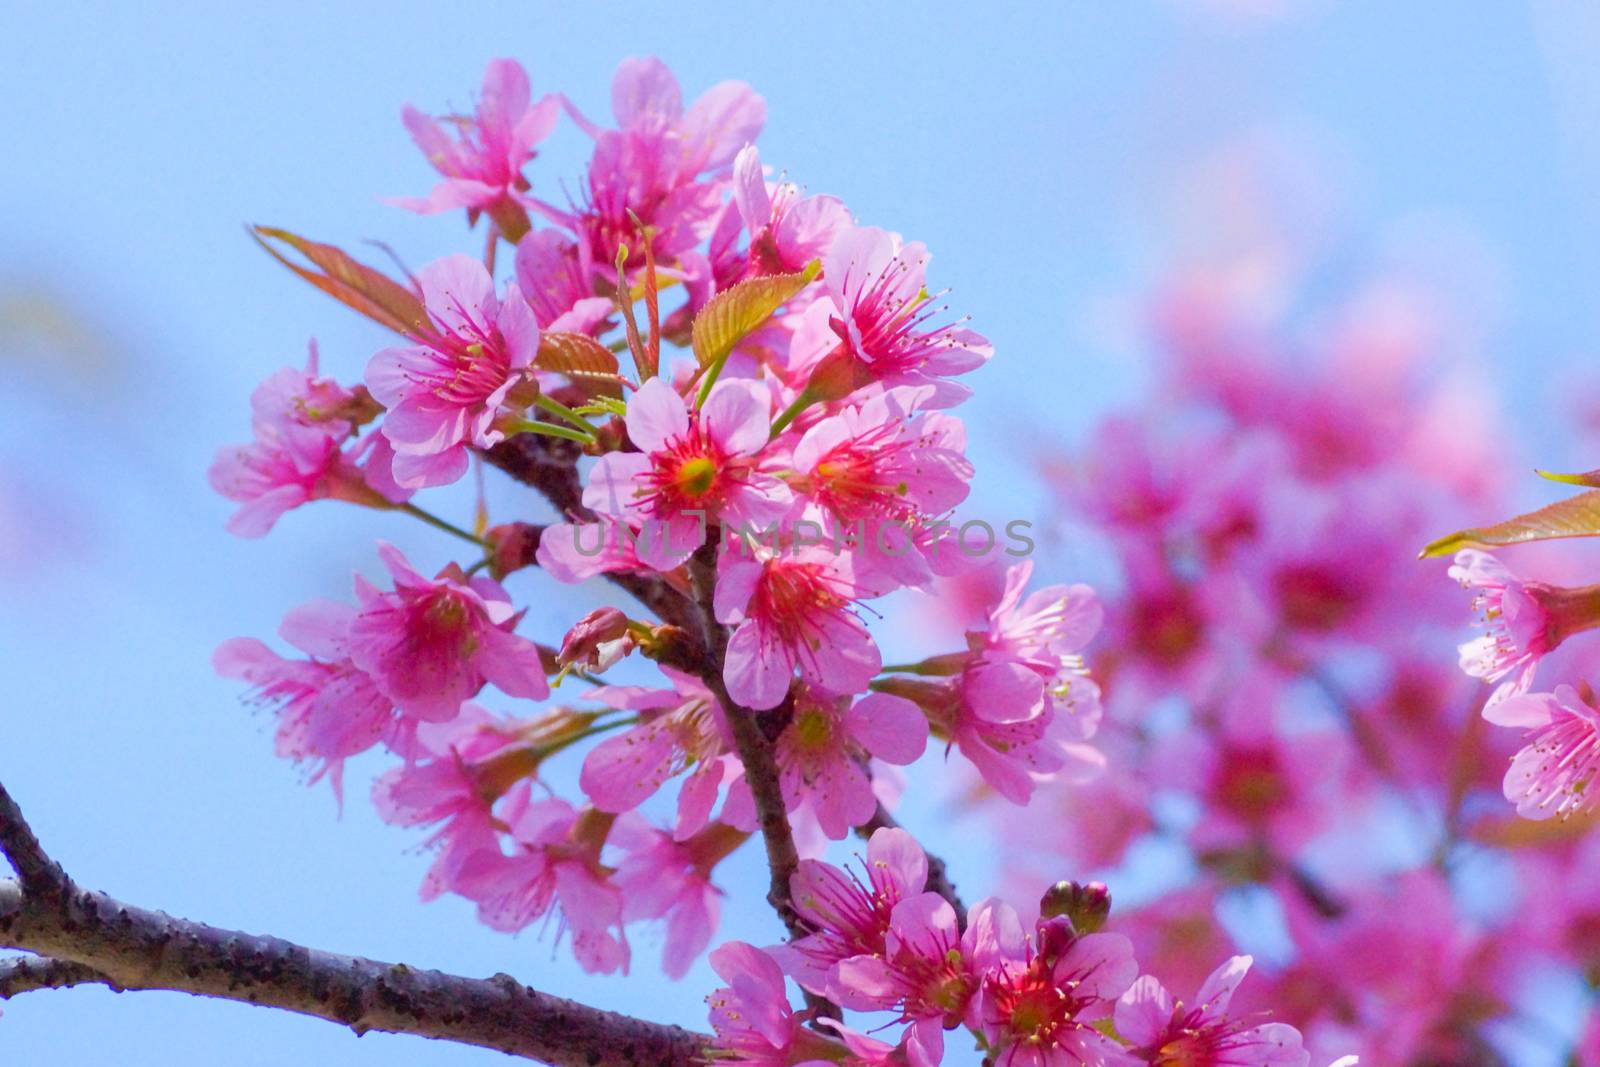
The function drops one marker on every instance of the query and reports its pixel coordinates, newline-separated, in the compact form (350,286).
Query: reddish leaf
(1577,516)
(583,359)
(356,285)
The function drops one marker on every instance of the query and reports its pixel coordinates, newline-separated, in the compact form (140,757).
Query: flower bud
(598,641)
(1086,904)
(512,547)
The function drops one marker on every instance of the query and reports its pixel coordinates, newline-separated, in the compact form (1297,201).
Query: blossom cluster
(1283,724)
(813,385)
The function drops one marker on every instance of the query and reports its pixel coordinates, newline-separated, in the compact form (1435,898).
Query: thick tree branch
(89,936)
(938,873)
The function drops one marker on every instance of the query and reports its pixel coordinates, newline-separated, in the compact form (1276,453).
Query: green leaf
(1588,478)
(733,313)
(1577,516)
(374,294)
(580,357)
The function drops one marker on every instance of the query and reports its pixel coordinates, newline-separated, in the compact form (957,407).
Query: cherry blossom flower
(850,916)
(693,468)
(792,609)
(1040,998)
(877,318)
(663,878)
(444,393)
(1518,628)
(302,422)
(456,773)
(482,166)
(431,644)
(328,709)
(681,731)
(649,168)
(1168,1033)
(820,754)
(1554,773)
(556,277)
(787,231)
(924,970)
(752,1019)
(551,863)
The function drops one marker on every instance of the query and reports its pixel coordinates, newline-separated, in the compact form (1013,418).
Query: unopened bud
(1086,905)
(512,547)
(598,641)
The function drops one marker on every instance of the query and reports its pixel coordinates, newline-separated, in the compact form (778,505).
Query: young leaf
(735,312)
(370,292)
(1589,478)
(1577,516)
(583,359)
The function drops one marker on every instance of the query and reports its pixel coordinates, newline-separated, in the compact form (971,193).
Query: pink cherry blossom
(444,393)
(792,609)
(692,468)
(1168,1033)
(482,166)
(752,1019)
(924,970)
(787,231)
(820,754)
(1040,1000)
(1554,773)
(650,167)
(454,776)
(327,708)
(556,277)
(575,552)
(663,878)
(850,916)
(877,318)
(549,865)
(302,422)
(681,732)
(1517,626)
(431,644)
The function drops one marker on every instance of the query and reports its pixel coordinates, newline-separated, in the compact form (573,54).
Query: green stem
(790,413)
(439,524)
(556,407)
(550,429)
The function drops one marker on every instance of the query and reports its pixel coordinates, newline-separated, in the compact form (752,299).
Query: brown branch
(938,873)
(753,736)
(39,874)
(24,974)
(549,465)
(89,936)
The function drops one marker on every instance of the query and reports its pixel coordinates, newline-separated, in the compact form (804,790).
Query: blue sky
(1038,149)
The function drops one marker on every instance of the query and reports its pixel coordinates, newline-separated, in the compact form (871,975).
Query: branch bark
(91,937)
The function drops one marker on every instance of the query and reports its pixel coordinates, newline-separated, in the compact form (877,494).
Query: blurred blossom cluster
(1296,764)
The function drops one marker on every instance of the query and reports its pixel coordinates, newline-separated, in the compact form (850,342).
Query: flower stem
(557,408)
(550,429)
(440,524)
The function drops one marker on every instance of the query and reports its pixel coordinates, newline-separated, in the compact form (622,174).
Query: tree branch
(938,873)
(91,937)
(24,974)
(549,465)
(38,873)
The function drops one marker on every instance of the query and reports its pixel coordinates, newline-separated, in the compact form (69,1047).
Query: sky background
(1059,160)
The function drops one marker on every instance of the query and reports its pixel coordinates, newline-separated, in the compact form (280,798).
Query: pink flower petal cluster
(1167,1033)
(444,393)
(303,423)
(482,163)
